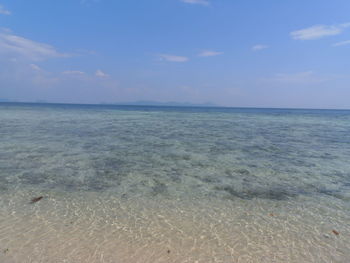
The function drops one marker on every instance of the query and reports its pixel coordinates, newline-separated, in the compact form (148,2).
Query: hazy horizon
(166,104)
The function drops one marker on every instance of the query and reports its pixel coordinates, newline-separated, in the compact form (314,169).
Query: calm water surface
(167,184)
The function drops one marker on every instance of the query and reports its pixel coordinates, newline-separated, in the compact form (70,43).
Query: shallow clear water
(150,184)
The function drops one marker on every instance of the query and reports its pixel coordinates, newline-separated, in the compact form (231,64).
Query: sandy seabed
(95,227)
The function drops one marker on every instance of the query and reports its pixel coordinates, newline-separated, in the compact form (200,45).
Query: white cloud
(11,44)
(198,2)
(342,43)
(99,73)
(259,47)
(319,31)
(173,58)
(4,11)
(35,67)
(209,53)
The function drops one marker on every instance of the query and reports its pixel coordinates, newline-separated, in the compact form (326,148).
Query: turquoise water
(168,184)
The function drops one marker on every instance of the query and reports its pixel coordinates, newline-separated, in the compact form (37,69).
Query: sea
(127,184)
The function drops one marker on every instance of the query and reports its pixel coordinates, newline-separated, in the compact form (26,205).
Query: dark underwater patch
(262,193)
(175,176)
(242,171)
(210,179)
(334,193)
(4,184)
(95,184)
(109,164)
(159,188)
(34,178)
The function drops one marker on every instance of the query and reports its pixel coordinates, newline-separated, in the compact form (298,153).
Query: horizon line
(174,106)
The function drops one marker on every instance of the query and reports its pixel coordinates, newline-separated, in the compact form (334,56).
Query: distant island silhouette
(170,103)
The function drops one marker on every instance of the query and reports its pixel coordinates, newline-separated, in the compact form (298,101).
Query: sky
(240,53)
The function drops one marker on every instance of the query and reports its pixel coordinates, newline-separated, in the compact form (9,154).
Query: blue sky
(247,53)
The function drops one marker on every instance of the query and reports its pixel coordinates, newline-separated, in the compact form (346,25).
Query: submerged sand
(95,227)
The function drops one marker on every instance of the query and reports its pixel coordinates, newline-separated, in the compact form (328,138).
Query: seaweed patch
(335,232)
(36,199)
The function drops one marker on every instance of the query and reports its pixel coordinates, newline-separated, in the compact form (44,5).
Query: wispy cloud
(342,43)
(99,73)
(26,48)
(81,51)
(4,11)
(259,47)
(172,58)
(196,2)
(299,77)
(88,2)
(319,31)
(209,53)
(73,72)
(35,67)
(68,86)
